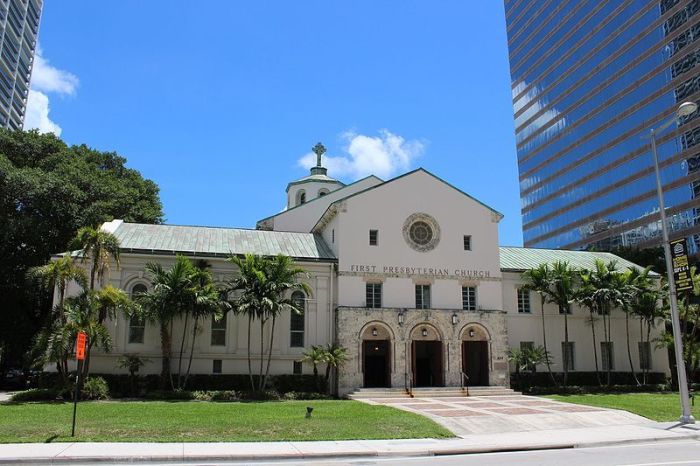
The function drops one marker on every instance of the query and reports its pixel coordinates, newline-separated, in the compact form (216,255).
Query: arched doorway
(475,354)
(376,355)
(426,356)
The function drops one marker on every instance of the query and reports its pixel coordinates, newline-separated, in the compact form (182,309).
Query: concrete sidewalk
(68,453)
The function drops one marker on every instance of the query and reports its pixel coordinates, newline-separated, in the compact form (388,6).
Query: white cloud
(46,79)
(37,114)
(383,155)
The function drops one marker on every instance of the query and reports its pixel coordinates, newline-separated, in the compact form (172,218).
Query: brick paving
(510,413)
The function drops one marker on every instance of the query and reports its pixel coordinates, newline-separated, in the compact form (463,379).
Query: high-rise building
(19,26)
(590,78)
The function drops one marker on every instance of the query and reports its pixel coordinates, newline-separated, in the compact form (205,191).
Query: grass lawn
(191,421)
(656,406)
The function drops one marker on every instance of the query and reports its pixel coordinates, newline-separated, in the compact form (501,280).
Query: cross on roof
(319,149)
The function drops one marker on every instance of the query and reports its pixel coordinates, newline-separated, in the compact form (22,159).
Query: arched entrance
(376,355)
(426,356)
(475,354)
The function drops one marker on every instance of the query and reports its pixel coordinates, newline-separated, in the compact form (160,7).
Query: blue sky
(219,103)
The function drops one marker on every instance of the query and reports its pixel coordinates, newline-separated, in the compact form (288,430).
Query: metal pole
(75,396)
(686,416)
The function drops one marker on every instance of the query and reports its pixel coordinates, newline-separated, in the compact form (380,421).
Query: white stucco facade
(406,274)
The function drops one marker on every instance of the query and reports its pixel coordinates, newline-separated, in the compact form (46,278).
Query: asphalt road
(686,453)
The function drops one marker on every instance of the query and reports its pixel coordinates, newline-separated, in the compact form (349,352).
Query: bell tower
(317,184)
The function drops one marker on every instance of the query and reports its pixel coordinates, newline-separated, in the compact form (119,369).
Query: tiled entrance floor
(517,413)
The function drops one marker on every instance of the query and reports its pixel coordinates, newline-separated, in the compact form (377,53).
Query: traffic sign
(80,346)
(681,265)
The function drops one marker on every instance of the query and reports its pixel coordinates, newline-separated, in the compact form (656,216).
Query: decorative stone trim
(421,232)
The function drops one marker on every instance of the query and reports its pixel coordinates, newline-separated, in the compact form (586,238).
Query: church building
(407,274)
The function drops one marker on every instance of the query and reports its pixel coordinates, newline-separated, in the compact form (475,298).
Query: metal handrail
(408,383)
(464,386)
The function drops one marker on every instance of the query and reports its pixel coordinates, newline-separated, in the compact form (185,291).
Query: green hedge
(542,379)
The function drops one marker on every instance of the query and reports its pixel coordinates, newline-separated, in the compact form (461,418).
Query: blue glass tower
(589,80)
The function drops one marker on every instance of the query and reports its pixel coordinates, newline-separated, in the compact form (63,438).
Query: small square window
(297,368)
(467,242)
(373,237)
(216,366)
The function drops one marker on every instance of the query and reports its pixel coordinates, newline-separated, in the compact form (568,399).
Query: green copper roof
(516,259)
(216,241)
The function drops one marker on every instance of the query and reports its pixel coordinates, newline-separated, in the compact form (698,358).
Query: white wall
(528,327)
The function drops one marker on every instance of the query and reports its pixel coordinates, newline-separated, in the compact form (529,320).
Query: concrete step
(430,392)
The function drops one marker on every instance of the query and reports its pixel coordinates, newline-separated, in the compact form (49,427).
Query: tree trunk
(607,340)
(250,363)
(165,353)
(269,352)
(182,349)
(629,350)
(595,349)
(189,364)
(544,344)
(262,352)
(566,344)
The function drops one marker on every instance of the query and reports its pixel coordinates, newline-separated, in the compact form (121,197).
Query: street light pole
(686,416)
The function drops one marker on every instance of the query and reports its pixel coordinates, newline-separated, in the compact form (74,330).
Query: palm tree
(99,246)
(53,343)
(264,285)
(637,285)
(646,307)
(585,296)
(334,356)
(315,355)
(538,280)
(168,298)
(562,293)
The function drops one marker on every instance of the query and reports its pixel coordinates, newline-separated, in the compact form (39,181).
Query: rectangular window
(218,331)
(523,301)
(644,355)
(137,329)
(373,295)
(467,242)
(296,327)
(565,310)
(469,298)
(216,366)
(373,237)
(297,369)
(422,296)
(568,352)
(607,355)
(525,345)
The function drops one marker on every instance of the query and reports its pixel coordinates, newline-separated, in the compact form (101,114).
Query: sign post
(80,356)
(681,266)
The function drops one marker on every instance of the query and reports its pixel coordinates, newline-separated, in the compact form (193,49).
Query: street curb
(336,455)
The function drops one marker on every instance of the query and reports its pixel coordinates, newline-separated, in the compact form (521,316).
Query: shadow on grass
(51,439)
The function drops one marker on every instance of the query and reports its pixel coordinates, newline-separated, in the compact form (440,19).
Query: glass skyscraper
(19,26)
(589,80)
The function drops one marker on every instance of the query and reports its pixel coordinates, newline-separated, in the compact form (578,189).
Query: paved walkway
(5,396)
(70,453)
(516,413)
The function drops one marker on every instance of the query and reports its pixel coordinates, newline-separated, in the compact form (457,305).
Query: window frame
(375,238)
(607,355)
(214,368)
(297,323)
(467,242)
(136,325)
(470,293)
(523,298)
(644,349)
(422,292)
(566,354)
(217,328)
(373,295)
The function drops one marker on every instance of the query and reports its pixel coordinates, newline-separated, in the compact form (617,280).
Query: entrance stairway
(429,392)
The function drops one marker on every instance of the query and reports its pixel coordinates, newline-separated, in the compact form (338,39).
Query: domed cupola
(317,184)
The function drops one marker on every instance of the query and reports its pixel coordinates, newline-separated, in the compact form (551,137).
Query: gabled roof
(217,241)
(331,208)
(317,199)
(517,259)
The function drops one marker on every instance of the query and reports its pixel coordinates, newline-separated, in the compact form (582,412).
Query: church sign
(420,271)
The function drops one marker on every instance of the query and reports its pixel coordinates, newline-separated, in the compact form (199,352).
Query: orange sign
(80,346)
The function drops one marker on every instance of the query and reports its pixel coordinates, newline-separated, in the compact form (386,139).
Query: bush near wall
(542,379)
(120,384)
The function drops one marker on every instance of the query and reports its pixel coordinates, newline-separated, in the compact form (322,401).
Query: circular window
(421,232)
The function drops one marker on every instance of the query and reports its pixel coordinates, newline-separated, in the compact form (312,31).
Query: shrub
(170,395)
(267,395)
(225,395)
(94,388)
(201,395)
(35,394)
(306,396)
(584,390)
